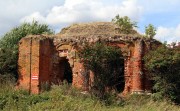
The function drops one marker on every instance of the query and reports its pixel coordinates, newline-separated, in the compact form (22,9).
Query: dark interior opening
(121,83)
(66,70)
(118,80)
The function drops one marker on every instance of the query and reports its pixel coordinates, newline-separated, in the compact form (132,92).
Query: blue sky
(163,14)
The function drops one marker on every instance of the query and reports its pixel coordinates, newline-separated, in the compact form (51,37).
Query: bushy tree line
(9,45)
(163,63)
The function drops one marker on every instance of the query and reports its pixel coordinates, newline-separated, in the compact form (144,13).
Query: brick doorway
(118,80)
(120,84)
(64,70)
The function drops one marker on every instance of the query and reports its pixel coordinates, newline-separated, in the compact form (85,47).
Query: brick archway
(64,66)
(39,55)
(62,72)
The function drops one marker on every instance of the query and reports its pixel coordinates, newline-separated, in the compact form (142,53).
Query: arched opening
(65,70)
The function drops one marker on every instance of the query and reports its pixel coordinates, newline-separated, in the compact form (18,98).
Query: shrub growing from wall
(163,64)
(106,62)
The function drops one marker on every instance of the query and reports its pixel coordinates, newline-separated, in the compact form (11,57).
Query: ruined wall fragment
(34,62)
(137,82)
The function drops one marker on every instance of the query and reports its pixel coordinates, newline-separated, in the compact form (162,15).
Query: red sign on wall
(34,78)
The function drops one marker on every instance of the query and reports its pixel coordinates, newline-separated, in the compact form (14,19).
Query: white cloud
(35,16)
(60,13)
(97,10)
(11,11)
(168,34)
(85,11)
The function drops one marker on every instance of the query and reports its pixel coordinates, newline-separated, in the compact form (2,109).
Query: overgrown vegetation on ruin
(126,26)
(163,64)
(107,64)
(150,31)
(9,46)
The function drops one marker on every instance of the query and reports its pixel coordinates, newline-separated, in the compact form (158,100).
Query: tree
(9,45)
(163,63)
(106,62)
(150,31)
(125,24)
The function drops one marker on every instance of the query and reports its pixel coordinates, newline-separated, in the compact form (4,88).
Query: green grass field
(65,98)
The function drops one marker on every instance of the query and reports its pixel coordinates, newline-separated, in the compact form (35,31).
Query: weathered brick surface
(34,51)
(78,79)
(23,64)
(35,65)
(137,84)
(44,59)
(46,51)
(48,63)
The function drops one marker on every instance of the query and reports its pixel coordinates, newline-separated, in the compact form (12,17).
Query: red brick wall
(137,82)
(46,51)
(24,64)
(35,65)
(39,59)
(78,79)
(34,62)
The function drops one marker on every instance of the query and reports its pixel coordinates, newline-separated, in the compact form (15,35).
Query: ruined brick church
(54,58)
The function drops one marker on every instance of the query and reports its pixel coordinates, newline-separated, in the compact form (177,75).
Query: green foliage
(9,45)
(163,64)
(63,98)
(125,24)
(66,98)
(106,62)
(150,31)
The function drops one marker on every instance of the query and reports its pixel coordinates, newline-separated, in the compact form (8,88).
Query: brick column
(80,76)
(28,64)
(46,52)
(24,64)
(137,86)
(126,75)
(35,69)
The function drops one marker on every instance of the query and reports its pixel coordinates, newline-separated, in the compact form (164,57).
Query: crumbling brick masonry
(45,59)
